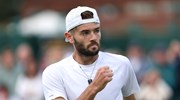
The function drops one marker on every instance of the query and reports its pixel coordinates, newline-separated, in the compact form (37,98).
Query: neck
(85,60)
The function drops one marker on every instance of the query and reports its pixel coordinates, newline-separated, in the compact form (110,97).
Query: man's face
(87,39)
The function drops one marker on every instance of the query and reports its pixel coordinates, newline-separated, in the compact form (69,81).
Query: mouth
(93,46)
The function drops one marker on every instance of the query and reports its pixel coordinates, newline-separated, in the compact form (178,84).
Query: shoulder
(116,61)
(58,66)
(114,57)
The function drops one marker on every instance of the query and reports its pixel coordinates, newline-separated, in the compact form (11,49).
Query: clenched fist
(103,76)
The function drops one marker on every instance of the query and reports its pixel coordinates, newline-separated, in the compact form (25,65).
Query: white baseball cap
(74,19)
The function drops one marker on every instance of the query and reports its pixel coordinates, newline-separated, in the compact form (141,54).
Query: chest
(75,82)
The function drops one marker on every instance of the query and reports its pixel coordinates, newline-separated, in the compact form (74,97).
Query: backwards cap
(74,19)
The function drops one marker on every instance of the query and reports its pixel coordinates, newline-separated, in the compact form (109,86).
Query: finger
(109,73)
(105,67)
(110,70)
(108,79)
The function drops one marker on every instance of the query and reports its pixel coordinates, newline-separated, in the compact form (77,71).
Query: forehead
(88,26)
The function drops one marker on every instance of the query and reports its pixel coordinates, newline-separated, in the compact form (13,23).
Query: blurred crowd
(19,75)
(157,70)
(157,66)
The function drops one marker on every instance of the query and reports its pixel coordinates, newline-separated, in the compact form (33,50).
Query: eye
(85,32)
(97,30)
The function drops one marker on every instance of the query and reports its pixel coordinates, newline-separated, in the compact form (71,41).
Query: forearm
(89,93)
(131,97)
(103,76)
(59,98)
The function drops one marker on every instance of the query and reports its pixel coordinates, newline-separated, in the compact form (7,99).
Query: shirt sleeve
(131,85)
(52,84)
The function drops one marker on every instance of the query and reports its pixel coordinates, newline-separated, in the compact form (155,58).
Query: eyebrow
(90,29)
(97,28)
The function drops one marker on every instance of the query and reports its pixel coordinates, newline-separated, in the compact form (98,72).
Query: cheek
(99,37)
(85,44)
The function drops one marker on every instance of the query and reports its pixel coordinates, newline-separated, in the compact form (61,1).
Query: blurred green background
(146,31)
(147,22)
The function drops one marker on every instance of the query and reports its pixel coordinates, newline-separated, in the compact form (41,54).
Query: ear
(69,37)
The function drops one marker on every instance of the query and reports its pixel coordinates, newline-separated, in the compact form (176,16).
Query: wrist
(89,93)
(93,89)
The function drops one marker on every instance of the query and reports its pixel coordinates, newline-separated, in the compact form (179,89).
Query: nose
(94,36)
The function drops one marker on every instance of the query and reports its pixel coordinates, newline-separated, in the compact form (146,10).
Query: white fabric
(66,79)
(159,91)
(74,19)
(29,88)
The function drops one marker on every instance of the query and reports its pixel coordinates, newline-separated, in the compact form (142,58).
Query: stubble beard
(84,51)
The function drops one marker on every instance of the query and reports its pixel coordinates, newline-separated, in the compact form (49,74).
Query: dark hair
(86,15)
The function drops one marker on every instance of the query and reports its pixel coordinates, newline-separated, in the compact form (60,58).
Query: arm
(131,97)
(131,85)
(59,98)
(103,76)
(88,94)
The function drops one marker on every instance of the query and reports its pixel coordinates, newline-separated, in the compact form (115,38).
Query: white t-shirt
(66,79)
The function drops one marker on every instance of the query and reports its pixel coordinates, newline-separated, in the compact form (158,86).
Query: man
(88,74)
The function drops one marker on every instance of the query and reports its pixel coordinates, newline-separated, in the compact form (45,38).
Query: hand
(103,76)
